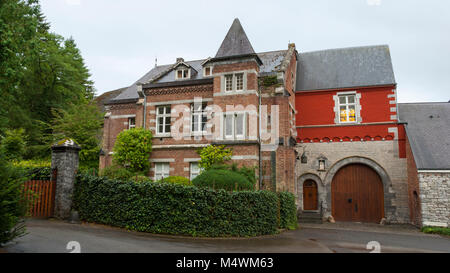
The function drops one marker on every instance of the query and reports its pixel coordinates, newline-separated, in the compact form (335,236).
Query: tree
(132,149)
(83,123)
(213,155)
(12,146)
(39,71)
(12,204)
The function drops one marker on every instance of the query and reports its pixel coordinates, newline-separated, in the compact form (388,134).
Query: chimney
(180,60)
(291,45)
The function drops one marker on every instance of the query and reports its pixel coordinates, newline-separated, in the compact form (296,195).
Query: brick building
(323,125)
(191,104)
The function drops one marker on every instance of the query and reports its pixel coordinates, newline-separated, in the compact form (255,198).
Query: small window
(207,71)
(228,82)
(347,108)
(239,82)
(182,73)
(194,170)
(162,170)
(163,120)
(131,123)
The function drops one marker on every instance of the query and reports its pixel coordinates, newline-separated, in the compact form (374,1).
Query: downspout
(259,138)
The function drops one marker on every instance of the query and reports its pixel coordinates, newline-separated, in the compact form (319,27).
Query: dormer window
(207,71)
(182,73)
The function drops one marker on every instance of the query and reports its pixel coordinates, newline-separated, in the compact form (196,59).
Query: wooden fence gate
(41,197)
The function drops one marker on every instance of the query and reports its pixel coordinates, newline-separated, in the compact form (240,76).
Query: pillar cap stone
(66,144)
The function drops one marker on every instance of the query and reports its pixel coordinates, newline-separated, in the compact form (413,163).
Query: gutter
(139,90)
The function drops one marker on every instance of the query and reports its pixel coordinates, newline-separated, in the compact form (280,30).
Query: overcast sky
(120,39)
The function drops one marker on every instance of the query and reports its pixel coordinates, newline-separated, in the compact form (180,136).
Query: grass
(436,230)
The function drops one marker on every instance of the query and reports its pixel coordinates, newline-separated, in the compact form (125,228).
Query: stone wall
(382,156)
(435,198)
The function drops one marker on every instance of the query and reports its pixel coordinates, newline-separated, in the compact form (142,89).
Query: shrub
(120,173)
(288,211)
(132,149)
(436,230)
(13,145)
(174,209)
(217,178)
(34,169)
(180,180)
(213,155)
(12,204)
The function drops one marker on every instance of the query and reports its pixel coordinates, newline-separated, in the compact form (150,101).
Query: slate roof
(271,61)
(344,67)
(428,131)
(235,43)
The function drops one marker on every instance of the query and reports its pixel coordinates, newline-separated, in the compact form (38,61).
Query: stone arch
(390,210)
(321,191)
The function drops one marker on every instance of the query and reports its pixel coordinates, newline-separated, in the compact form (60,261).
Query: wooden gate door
(357,194)
(309,195)
(40,195)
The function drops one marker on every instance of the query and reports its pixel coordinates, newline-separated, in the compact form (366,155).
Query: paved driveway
(53,236)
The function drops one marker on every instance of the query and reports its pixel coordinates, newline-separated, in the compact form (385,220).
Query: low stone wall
(435,198)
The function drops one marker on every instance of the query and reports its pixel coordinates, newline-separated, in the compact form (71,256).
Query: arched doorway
(310,195)
(357,194)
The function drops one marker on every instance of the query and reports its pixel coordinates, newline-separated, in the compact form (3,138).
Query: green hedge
(176,209)
(288,211)
(222,179)
(180,180)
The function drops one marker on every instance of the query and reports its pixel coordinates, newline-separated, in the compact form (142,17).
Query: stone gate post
(65,161)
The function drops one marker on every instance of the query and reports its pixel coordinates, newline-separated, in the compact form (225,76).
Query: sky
(120,40)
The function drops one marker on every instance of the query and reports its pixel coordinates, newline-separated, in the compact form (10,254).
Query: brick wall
(413,188)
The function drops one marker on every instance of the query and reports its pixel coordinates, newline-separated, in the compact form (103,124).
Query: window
(163,120)
(347,108)
(234,82)
(207,71)
(234,125)
(194,170)
(161,170)
(182,73)
(228,82)
(239,82)
(131,123)
(198,117)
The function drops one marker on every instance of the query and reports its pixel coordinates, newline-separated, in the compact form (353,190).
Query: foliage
(120,173)
(34,169)
(269,81)
(82,123)
(213,155)
(40,71)
(175,209)
(180,180)
(12,205)
(220,178)
(288,211)
(132,149)
(13,145)
(436,230)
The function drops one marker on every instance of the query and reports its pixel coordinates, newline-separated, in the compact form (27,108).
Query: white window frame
(347,107)
(200,115)
(164,115)
(235,78)
(210,71)
(184,76)
(232,82)
(163,172)
(193,174)
(234,135)
(129,123)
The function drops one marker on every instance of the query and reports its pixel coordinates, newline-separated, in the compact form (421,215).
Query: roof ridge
(344,48)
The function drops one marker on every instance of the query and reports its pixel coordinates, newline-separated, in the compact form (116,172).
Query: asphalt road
(51,236)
